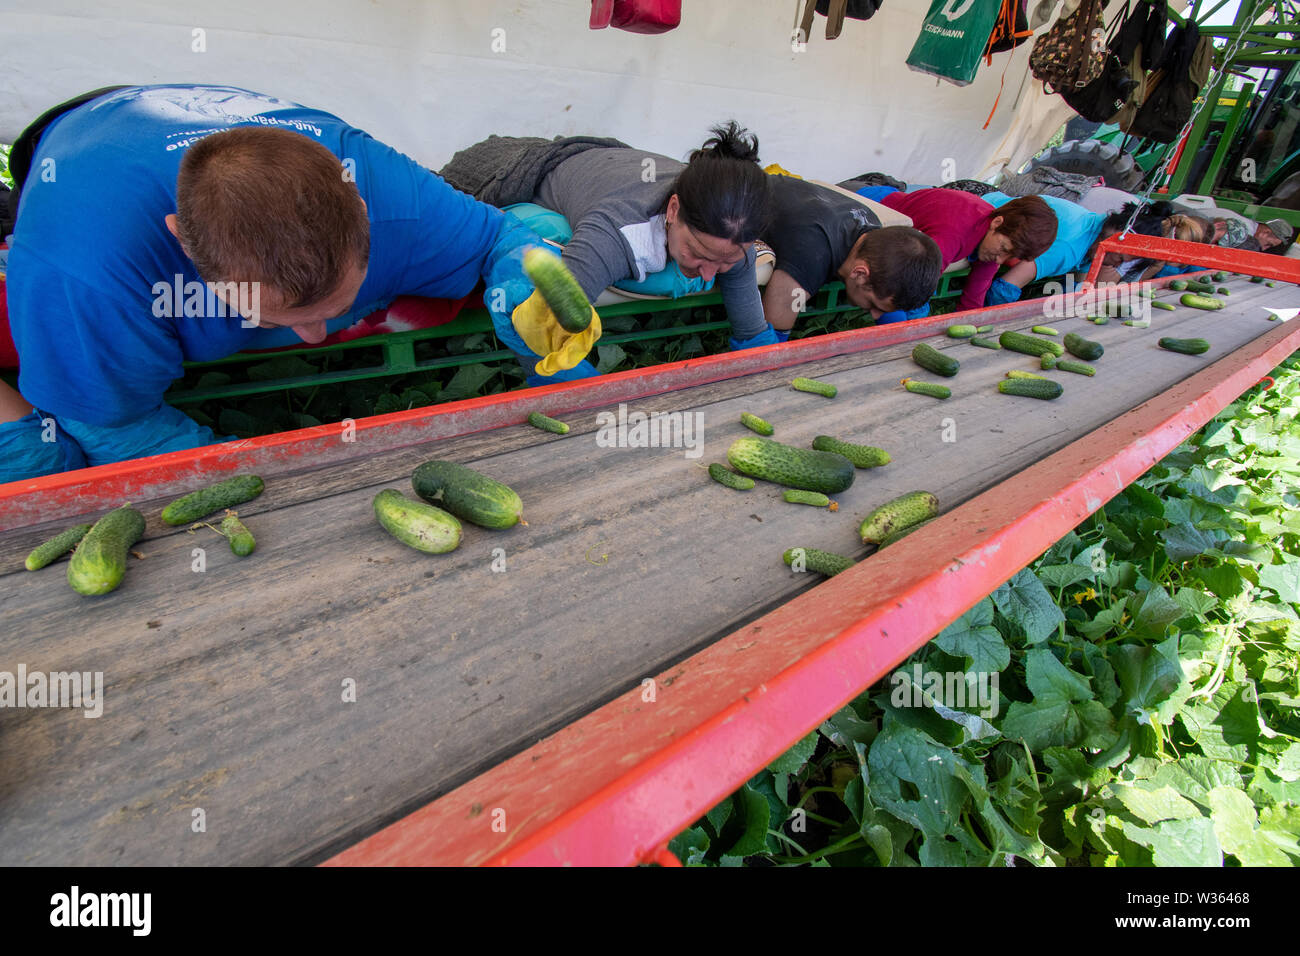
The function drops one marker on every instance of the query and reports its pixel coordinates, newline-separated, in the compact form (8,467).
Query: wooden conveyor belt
(223,689)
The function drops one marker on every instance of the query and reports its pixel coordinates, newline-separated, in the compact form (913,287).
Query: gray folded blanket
(503,170)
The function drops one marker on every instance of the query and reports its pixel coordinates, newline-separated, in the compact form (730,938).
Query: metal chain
(1145,197)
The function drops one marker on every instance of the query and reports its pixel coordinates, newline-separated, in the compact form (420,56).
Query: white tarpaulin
(431,76)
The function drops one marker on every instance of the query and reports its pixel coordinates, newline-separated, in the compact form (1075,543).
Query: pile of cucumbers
(98,564)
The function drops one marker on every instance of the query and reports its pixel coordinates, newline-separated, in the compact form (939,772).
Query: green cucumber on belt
(1185,346)
(564,297)
(1079,368)
(984,328)
(1044,330)
(1197,285)
(895,515)
(1028,345)
(961,331)
(932,360)
(547,424)
(822,562)
(1083,348)
(862,456)
(50,551)
(824,389)
(807,469)
(201,503)
(468,494)
(1178,285)
(99,563)
(1220,276)
(933,389)
(1163,306)
(815,498)
(1039,387)
(240,538)
(729,478)
(984,343)
(1047,361)
(756,424)
(1194,301)
(1020,373)
(416,524)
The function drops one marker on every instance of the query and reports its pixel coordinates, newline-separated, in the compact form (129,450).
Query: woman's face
(698,254)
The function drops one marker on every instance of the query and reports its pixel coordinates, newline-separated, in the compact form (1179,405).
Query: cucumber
(1118,310)
(823,562)
(933,389)
(1044,330)
(564,297)
(1179,285)
(547,424)
(1220,276)
(1165,306)
(1079,368)
(904,532)
(467,494)
(754,423)
(99,563)
(1194,301)
(201,503)
(1256,278)
(961,331)
(984,328)
(1138,323)
(1022,374)
(893,516)
(1029,388)
(1222,290)
(415,524)
(985,343)
(241,540)
(1185,346)
(1028,345)
(862,456)
(1083,348)
(1099,319)
(1196,285)
(1047,361)
(825,389)
(814,498)
(932,360)
(808,469)
(50,551)
(1271,285)
(729,478)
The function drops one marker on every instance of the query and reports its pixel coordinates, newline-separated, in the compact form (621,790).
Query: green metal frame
(397,349)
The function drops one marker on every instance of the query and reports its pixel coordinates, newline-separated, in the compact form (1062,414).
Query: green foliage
(1148,675)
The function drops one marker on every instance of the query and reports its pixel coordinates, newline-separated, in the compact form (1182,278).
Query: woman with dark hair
(633,214)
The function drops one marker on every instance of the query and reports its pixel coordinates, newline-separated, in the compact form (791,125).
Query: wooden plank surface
(224,690)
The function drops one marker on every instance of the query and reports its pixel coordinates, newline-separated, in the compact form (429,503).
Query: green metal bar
(1210,180)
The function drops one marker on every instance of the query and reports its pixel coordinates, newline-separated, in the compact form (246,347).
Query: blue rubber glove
(782,335)
(507,289)
(1002,291)
(899,315)
(766,337)
(163,430)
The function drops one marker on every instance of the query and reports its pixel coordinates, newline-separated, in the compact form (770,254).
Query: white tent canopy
(432,76)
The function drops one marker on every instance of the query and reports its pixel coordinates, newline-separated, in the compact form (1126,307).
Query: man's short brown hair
(1029,223)
(268,205)
(904,265)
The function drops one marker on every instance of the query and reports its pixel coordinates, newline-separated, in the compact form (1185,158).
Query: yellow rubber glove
(537,326)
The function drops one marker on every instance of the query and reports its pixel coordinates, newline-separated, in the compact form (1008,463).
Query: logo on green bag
(955,9)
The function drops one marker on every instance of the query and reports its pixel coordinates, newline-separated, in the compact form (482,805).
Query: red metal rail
(1134,246)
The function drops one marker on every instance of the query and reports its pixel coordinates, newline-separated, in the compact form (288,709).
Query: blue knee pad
(876,193)
(25,452)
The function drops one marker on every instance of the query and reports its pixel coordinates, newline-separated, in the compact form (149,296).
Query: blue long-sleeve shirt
(91,245)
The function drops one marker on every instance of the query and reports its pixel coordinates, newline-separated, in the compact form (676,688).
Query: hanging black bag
(1106,95)
(1174,85)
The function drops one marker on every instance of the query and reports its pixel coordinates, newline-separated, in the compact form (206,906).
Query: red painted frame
(1135,246)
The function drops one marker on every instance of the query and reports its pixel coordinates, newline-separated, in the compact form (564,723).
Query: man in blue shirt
(166,224)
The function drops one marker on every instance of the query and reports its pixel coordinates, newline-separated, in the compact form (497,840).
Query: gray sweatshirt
(619,227)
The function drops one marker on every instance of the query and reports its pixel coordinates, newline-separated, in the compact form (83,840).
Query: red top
(958,221)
